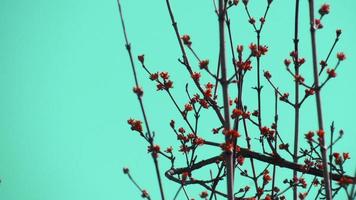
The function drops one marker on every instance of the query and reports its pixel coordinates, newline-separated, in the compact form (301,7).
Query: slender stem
(327,187)
(224,84)
(296,103)
(275,142)
(151,139)
(186,62)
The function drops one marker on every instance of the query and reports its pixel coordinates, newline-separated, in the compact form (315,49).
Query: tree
(321,162)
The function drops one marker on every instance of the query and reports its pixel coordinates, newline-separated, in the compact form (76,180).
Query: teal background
(65,85)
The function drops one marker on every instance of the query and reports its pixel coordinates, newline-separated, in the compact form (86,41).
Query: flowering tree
(316,166)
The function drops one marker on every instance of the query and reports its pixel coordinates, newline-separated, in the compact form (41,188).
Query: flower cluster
(136,125)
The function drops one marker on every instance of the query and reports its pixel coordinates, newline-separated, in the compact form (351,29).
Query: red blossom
(204,194)
(154,76)
(240,48)
(240,160)
(231,133)
(265,131)
(338,32)
(125,170)
(301,61)
(331,73)
(309,91)
(298,78)
(302,195)
(324,9)
(164,75)
(345,181)
(160,86)
(262,20)
(204,64)
(188,107)
(172,123)
(266,177)
(287,62)
(199,141)
(181,130)
(316,182)
(254,50)
(318,24)
(191,136)
(246,66)
(294,54)
(323,63)
(184,148)
(341,56)
(336,155)
(185,175)
(144,194)
(284,97)
(303,182)
(169,149)
(186,40)
(283,146)
(309,136)
(236,113)
(262,49)
(227,147)
(246,115)
(168,84)
(137,90)
(196,76)
(141,58)
(203,103)
(136,125)
(346,156)
(252,20)
(154,149)
(320,133)
(267,74)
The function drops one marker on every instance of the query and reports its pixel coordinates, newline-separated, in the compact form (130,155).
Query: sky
(66,89)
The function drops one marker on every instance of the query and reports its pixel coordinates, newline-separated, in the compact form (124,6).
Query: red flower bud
(262,20)
(309,92)
(137,90)
(240,48)
(188,107)
(195,76)
(204,194)
(324,9)
(331,72)
(321,133)
(169,149)
(338,32)
(204,64)
(240,160)
(309,136)
(346,156)
(141,58)
(154,76)
(172,123)
(341,56)
(267,74)
(186,40)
